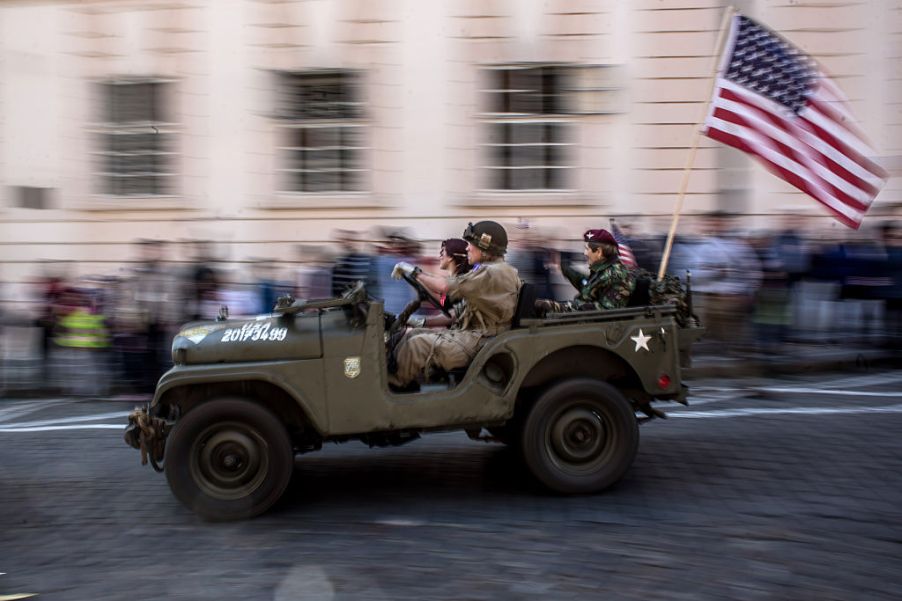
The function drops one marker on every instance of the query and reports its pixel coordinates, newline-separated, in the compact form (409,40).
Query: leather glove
(542,307)
(416,321)
(404,268)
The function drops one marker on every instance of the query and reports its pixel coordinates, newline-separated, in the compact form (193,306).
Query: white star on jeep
(641,341)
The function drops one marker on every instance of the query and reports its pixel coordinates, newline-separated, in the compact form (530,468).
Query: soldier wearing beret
(608,285)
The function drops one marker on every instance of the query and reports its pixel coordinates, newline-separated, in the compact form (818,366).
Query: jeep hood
(260,338)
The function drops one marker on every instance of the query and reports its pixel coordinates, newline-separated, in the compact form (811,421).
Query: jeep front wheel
(228,459)
(581,436)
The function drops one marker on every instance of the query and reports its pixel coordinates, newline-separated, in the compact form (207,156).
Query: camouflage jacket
(608,286)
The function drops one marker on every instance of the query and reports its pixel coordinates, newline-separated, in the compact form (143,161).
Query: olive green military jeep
(247,395)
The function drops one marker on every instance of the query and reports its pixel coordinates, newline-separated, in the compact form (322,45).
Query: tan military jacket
(490,293)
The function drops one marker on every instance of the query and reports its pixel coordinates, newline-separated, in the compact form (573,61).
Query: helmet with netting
(488,236)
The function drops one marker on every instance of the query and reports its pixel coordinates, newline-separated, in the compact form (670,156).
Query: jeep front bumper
(147,434)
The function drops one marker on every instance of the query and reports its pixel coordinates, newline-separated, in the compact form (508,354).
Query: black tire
(228,459)
(581,436)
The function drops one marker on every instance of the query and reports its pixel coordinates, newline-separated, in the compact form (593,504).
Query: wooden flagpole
(687,170)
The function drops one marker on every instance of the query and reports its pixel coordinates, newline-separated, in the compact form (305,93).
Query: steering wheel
(413,305)
(354,303)
(424,294)
(355,294)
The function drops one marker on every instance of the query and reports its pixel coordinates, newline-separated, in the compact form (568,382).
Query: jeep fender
(602,352)
(281,375)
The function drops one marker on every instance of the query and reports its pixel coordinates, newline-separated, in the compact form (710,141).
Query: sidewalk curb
(860,359)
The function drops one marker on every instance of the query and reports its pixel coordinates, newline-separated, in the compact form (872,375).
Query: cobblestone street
(791,492)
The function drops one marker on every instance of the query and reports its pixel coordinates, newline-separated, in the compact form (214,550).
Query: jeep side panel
(360,403)
(648,345)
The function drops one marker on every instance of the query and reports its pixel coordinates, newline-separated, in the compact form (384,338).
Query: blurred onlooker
(726,274)
(313,277)
(269,287)
(818,295)
(530,256)
(866,284)
(682,253)
(146,311)
(847,267)
(793,250)
(771,317)
(50,288)
(201,284)
(891,236)
(353,264)
(239,293)
(794,253)
(397,246)
(81,334)
(650,254)
(646,249)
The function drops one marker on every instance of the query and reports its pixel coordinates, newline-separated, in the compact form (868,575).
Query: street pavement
(710,360)
(763,488)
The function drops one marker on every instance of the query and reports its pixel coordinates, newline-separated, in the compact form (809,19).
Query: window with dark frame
(529,130)
(322,137)
(137,148)
(530,114)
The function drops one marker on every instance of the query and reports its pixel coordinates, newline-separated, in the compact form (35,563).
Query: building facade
(262,124)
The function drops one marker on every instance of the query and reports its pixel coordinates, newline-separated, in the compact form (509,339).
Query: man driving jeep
(490,293)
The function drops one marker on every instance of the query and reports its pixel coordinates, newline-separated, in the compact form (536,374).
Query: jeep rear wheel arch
(580,361)
(580,436)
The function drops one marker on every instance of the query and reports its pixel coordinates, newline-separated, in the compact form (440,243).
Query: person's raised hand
(404,268)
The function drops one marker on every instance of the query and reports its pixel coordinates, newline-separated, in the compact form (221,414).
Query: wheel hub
(230,462)
(578,435)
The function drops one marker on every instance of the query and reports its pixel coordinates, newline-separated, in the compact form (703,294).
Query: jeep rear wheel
(581,436)
(229,459)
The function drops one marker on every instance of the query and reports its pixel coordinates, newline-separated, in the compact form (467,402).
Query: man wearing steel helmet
(609,284)
(489,294)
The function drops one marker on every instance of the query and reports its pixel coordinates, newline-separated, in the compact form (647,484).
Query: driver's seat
(526,305)
(526,309)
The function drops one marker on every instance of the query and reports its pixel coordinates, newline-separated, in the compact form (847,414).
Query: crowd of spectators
(755,292)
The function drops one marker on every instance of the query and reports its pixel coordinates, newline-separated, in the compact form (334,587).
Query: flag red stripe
(623,249)
(785,174)
(842,147)
(853,179)
(817,155)
(799,157)
(829,110)
(790,176)
(736,118)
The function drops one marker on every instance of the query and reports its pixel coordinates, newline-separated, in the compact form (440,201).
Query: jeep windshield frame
(350,297)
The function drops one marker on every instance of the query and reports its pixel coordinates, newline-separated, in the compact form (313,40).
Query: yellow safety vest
(82,329)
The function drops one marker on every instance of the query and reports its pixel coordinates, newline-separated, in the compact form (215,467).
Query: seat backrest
(641,295)
(526,304)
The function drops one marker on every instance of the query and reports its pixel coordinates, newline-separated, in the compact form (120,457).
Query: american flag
(771,100)
(626,253)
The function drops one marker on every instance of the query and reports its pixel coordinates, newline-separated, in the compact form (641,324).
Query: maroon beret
(455,247)
(600,236)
